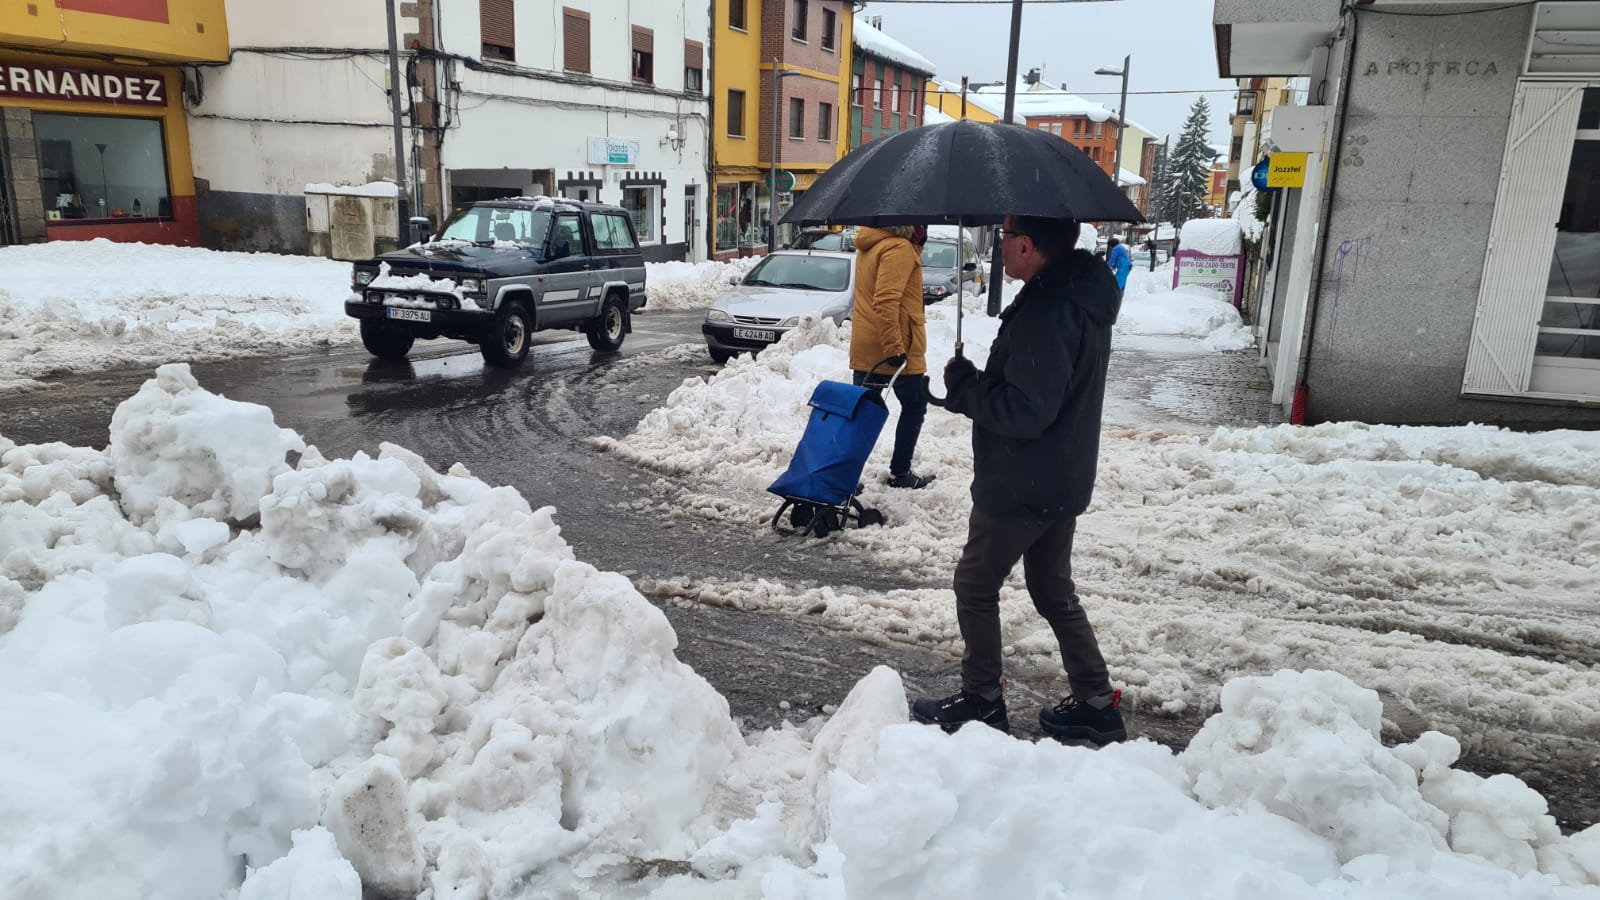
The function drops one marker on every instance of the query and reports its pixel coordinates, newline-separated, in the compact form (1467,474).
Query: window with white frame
(894,97)
(643,203)
(855,90)
(877,93)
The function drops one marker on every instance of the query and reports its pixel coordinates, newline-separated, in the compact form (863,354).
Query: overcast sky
(1170,41)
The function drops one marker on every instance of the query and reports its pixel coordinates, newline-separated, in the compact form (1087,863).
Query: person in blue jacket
(1119,262)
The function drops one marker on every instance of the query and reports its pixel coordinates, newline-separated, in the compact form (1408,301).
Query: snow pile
(295,676)
(385,281)
(1251,228)
(1212,237)
(371,189)
(685,285)
(1150,306)
(932,116)
(77,306)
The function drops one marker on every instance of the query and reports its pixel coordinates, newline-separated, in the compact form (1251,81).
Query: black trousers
(993,547)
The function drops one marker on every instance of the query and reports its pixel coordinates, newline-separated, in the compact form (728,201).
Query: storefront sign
(1223,274)
(1258,175)
(1288,170)
(82,85)
(613,152)
(1472,68)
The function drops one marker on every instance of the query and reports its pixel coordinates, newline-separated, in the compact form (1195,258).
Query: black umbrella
(963,173)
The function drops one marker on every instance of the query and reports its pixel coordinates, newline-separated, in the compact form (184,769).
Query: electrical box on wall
(1300,129)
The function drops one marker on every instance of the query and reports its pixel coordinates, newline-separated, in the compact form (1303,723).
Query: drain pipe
(1302,391)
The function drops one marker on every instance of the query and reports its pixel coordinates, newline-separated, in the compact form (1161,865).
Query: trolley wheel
(802,515)
(871,517)
(825,523)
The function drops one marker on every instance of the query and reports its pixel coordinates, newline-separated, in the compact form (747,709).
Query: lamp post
(1122,115)
(772,184)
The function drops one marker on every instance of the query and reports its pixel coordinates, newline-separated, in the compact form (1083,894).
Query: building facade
(1441,261)
(94,142)
(1254,103)
(781,71)
(888,83)
(946,98)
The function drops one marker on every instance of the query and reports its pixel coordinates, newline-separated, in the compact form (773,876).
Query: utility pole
(996,264)
(1122,114)
(963,98)
(772,185)
(403,204)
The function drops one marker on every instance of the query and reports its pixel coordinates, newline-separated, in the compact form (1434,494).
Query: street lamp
(772,185)
(1122,114)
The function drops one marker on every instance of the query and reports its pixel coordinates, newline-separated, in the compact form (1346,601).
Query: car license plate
(410,315)
(755,334)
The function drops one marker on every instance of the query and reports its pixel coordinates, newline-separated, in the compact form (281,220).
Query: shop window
(733,216)
(102,167)
(643,203)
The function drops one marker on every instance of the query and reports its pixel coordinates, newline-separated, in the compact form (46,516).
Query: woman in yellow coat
(888,322)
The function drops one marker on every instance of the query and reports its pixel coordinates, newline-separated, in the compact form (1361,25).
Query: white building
(600,100)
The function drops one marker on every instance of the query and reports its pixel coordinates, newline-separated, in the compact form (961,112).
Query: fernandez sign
(41,82)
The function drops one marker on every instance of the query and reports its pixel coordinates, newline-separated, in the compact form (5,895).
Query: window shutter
(1533,177)
(694,55)
(575,39)
(644,40)
(497,23)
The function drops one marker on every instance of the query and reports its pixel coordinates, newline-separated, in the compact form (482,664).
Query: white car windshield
(810,273)
(488,225)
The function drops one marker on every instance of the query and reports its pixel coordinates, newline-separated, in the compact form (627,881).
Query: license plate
(410,315)
(755,334)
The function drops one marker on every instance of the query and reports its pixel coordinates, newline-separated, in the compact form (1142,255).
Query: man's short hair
(1055,238)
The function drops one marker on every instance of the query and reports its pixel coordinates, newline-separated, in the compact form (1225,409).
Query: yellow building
(1257,98)
(946,98)
(96,142)
(811,45)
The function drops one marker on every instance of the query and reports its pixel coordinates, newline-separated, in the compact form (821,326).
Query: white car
(784,286)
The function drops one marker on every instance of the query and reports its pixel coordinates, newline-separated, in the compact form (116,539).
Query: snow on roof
(1045,99)
(932,116)
(878,44)
(1129,179)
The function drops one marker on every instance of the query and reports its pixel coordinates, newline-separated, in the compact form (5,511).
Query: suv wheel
(507,344)
(610,327)
(720,356)
(384,340)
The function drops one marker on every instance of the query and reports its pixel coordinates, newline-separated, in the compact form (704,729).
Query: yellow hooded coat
(888,317)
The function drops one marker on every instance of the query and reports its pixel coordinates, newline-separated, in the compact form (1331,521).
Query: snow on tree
(1186,179)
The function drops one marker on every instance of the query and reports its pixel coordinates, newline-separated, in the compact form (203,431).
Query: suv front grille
(756,320)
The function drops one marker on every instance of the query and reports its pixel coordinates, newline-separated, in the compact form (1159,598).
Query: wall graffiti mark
(1347,262)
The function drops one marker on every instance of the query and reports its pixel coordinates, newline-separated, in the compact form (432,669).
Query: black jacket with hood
(1036,405)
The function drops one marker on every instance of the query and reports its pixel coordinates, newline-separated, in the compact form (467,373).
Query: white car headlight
(717,315)
(938,290)
(364,276)
(472,285)
(790,322)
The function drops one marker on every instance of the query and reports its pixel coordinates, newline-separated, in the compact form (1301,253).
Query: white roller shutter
(1533,178)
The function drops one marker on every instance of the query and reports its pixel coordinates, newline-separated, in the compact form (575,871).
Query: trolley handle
(867,382)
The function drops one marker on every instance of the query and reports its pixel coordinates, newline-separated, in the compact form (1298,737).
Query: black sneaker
(958,709)
(1079,721)
(910,480)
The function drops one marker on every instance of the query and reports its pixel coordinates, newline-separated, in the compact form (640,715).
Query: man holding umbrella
(1035,409)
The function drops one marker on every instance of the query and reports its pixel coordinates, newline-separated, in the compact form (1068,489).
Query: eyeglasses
(1003,233)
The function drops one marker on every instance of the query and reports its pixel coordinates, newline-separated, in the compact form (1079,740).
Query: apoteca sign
(613,152)
(75,85)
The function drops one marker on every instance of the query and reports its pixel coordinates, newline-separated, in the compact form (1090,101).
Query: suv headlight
(364,277)
(471,285)
(717,315)
(938,290)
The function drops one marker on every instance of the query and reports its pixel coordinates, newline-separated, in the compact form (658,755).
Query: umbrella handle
(940,401)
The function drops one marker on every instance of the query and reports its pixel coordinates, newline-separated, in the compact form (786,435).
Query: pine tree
(1186,180)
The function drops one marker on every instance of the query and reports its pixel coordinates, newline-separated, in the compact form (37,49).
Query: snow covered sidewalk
(235,668)
(85,306)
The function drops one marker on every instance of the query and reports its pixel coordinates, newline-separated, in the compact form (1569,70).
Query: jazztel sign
(82,85)
(1288,170)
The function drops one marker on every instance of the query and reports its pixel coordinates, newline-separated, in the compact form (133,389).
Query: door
(691,205)
(567,279)
(1522,238)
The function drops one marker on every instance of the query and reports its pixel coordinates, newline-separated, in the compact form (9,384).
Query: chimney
(1032,77)
(877,22)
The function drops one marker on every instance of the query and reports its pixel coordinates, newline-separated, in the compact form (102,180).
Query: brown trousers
(993,547)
